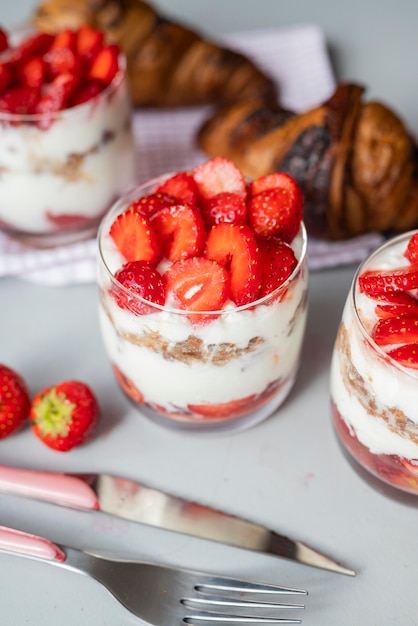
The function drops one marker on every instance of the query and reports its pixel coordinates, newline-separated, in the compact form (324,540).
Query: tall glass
(61,171)
(375,397)
(228,371)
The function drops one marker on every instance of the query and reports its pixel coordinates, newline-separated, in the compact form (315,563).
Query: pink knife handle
(54,487)
(30,545)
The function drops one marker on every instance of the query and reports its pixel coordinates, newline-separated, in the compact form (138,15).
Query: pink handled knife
(134,501)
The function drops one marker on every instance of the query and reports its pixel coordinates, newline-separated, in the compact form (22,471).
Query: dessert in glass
(374,370)
(203,295)
(66,145)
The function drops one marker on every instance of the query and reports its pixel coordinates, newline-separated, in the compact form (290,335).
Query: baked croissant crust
(355,160)
(168,64)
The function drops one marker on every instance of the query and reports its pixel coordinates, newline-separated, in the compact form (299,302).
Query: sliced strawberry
(407,355)
(197,284)
(396,310)
(56,98)
(377,282)
(6,76)
(105,64)
(234,246)
(152,203)
(62,60)
(35,45)
(395,330)
(127,385)
(65,38)
(4,40)
(218,175)
(222,410)
(140,279)
(277,262)
(33,72)
(411,251)
(89,42)
(397,297)
(276,212)
(67,221)
(224,207)
(410,464)
(277,180)
(20,100)
(135,237)
(182,186)
(181,231)
(85,92)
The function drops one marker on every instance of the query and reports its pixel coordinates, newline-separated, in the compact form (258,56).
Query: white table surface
(288,473)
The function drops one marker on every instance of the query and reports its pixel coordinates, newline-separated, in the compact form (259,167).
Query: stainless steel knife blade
(129,499)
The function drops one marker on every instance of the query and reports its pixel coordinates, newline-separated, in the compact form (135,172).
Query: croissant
(168,64)
(355,160)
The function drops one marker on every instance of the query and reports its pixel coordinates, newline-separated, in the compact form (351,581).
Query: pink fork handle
(19,542)
(54,487)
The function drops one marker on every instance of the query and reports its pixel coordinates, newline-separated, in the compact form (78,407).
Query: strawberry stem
(54,414)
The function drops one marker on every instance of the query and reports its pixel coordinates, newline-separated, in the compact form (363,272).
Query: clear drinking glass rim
(353,304)
(125,200)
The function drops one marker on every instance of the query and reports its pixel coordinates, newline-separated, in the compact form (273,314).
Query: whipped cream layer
(376,397)
(78,166)
(238,354)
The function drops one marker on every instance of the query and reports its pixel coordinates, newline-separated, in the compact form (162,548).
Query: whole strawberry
(14,401)
(64,415)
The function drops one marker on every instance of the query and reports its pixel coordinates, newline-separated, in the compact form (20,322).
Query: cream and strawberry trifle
(374,371)
(66,144)
(203,295)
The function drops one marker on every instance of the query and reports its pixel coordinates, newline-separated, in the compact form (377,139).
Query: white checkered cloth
(165,142)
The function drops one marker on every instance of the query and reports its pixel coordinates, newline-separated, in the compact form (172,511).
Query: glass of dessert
(203,295)
(374,371)
(66,146)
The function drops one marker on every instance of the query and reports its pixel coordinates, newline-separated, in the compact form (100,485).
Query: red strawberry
(14,401)
(59,93)
(139,278)
(235,247)
(62,60)
(411,251)
(224,207)
(234,408)
(395,330)
(65,415)
(407,355)
(153,202)
(35,45)
(127,385)
(181,231)
(377,282)
(85,92)
(6,76)
(397,297)
(33,72)
(182,186)
(67,221)
(276,212)
(135,237)
(218,175)
(20,100)
(197,284)
(277,180)
(396,310)
(65,38)
(4,40)
(89,42)
(105,64)
(277,262)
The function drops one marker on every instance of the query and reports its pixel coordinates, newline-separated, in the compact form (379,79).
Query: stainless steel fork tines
(218,599)
(163,595)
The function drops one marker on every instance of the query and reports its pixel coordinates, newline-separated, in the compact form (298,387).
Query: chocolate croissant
(355,160)
(168,64)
